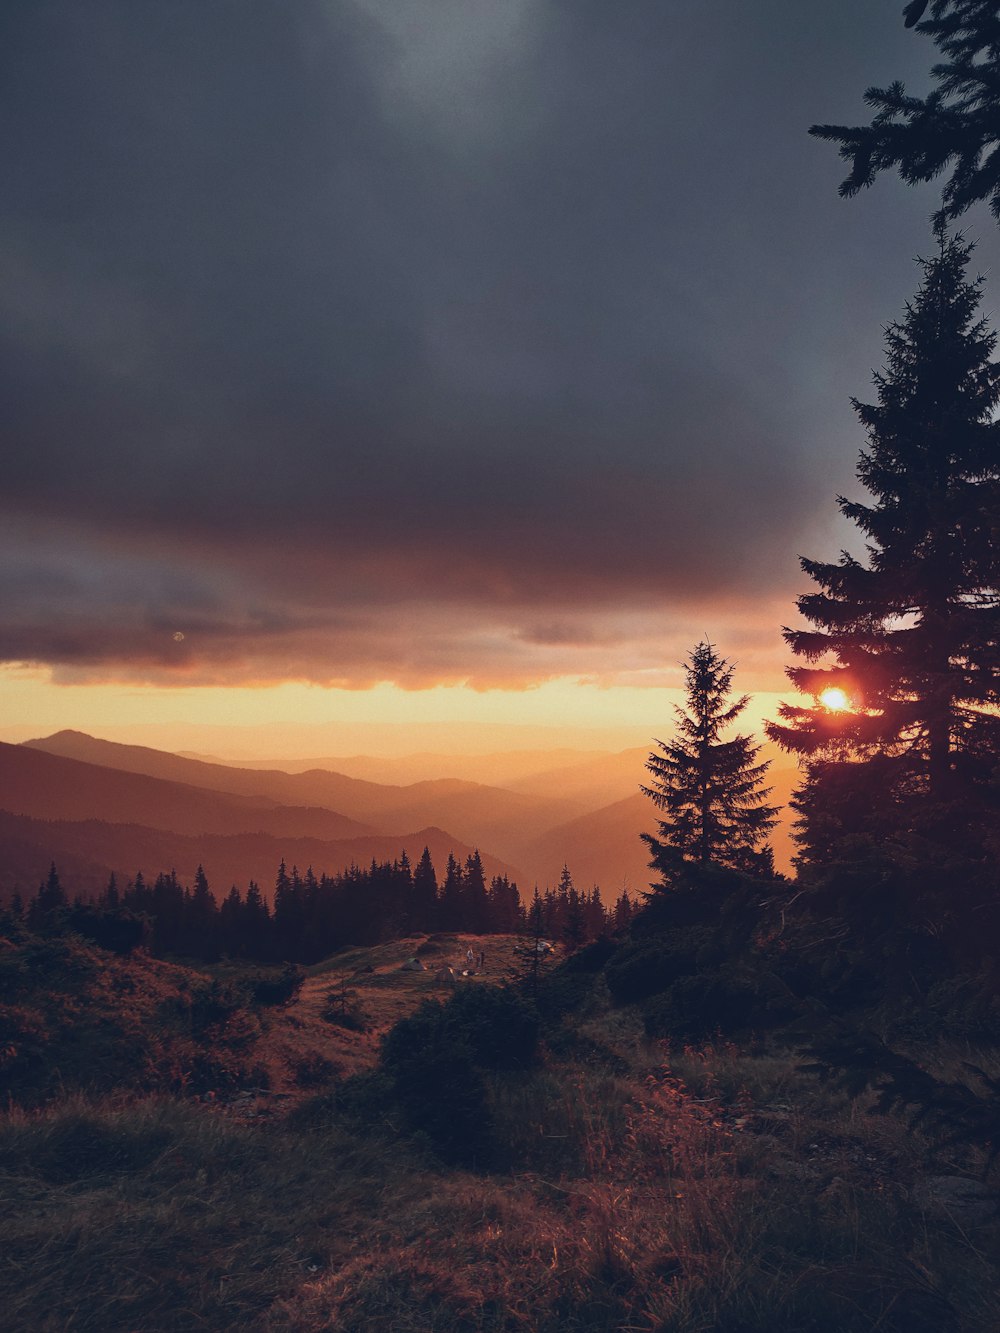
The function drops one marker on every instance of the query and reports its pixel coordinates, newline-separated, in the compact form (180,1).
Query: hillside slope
(477,814)
(49,786)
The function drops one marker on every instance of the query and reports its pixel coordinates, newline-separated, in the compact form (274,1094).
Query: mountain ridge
(474,812)
(86,852)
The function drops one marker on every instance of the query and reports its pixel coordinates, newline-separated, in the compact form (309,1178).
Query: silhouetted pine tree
(450,902)
(48,904)
(538,926)
(165,904)
(232,931)
(912,635)
(624,911)
(573,927)
(137,895)
(710,789)
(424,895)
(506,912)
(202,924)
(286,919)
(596,921)
(256,923)
(475,909)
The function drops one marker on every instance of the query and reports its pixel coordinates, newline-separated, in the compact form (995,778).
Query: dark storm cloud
(334,325)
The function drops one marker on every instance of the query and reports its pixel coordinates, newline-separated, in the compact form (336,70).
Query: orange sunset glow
(835,700)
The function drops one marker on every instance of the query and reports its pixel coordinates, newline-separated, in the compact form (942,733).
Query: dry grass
(381,996)
(708,1190)
(648,1207)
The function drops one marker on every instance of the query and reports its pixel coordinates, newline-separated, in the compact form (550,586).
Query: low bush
(442,1096)
(649,966)
(723,1000)
(592,957)
(958,1007)
(273,986)
(209,1005)
(312,1070)
(498,1027)
(120,931)
(435,1059)
(343,1012)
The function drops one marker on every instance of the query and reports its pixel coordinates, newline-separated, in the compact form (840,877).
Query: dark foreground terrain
(220,1150)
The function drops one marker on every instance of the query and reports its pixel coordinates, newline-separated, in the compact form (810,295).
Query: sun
(835,700)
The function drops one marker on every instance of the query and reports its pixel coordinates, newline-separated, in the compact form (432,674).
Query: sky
(429,359)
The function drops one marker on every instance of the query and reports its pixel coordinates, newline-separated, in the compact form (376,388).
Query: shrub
(273,986)
(120,931)
(592,957)
(962,1007)
(435,1056)
(312,1070)
(347,1016)
(562,992)
(649,966)
(442,1095)
(209,1005)
(726,999)
(497,1025)
(80,1143)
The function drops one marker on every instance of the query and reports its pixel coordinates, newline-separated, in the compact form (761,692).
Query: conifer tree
(165,904)
(232,935)
(424,892)
(573,926)
(257,922)
(709,788)
(450,901)
(596,919)
(48,903)
(475,906)
(287,913)
(202,920)
(957,125)
(623,912)
(911,636)
(537,923)
(505,911)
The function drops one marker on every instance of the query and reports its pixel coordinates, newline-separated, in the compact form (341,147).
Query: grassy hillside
(622,1183)
(79,1019)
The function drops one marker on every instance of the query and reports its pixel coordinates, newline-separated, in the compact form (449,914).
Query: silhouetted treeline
(310,916)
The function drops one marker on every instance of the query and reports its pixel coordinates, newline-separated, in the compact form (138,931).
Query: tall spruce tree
(710,789)
(474,909)
(425,889)
(449,903)
(911,636)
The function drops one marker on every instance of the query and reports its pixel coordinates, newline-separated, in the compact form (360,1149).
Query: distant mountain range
(490,817)
(95,806)
(44,783)
(87,851)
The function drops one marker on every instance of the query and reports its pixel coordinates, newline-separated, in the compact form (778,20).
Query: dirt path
(302,1051)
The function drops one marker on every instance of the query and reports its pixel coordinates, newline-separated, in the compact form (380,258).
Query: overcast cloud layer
(432,339)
